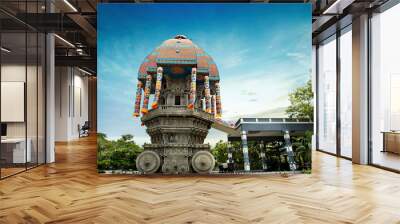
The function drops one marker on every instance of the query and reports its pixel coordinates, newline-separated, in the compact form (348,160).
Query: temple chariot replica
(185,83)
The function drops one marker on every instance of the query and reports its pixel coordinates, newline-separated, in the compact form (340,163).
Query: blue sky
(263,52)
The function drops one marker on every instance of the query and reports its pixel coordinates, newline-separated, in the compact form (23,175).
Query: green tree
(220,152)
(301,102)
(117,154)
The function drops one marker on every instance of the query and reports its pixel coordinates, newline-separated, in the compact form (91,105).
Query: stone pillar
(289,151)
(264,163)
(263,160)
(192,96)
(207,93)
(146,95)
(230,153)
(158,88)
(231,162)
(245,152)
(138,98)
(218,100)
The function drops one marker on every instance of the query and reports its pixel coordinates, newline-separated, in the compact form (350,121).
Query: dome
(177,56)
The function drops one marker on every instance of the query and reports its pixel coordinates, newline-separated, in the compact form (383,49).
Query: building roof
(179,51)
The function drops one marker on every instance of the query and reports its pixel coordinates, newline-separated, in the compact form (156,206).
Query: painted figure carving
(138,99)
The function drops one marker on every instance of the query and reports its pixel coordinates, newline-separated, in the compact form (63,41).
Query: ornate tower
(185,82)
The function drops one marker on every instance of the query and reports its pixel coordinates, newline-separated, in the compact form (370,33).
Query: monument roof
(179,51)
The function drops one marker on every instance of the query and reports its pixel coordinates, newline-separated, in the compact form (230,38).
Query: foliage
(275,154)
(301,102)
(121,154)
(302,148)
(220,152)
(117,154)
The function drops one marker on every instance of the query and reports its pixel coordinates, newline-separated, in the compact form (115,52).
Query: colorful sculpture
(138,99)
(147,90)
(207,93)
(185,77)
(192,96)
(158,88)
(218,100)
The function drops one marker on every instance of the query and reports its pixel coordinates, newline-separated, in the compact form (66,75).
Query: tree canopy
(301,102)
(119,154)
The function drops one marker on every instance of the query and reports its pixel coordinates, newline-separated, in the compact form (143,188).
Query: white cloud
(215,136)
(233,60)
(296,55)
(257,92)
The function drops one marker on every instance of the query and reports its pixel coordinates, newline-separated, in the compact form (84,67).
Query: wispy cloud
(248,92)
(296,55)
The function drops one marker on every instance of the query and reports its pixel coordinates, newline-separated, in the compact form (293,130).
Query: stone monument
(185,83)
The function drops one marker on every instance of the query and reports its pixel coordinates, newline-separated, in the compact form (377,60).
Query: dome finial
(179,37)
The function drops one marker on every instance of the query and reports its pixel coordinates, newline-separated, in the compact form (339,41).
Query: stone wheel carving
(148,162)
(203,162)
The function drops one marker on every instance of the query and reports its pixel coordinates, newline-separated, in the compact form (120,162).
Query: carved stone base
(177,134)
(148,162)
(175,165)
(176,158)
